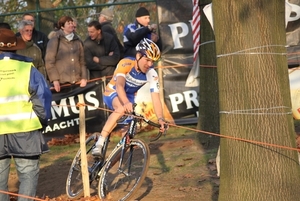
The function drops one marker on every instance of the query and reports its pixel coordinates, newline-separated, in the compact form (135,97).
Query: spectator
(101,51)
(31,49)
(105,18)
(65,56)
(25,109)
(38,37)
(130,75)
(135,32)
(75,23)
(4,25)
(53,32)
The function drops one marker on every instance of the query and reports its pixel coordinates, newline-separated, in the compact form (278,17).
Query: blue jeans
(28,173)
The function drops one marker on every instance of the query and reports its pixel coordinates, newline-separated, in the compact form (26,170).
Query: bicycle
(119,175)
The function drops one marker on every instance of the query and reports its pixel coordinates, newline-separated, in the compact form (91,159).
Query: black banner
(65,114)
(176,33)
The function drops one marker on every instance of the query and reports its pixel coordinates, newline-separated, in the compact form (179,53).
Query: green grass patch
(59,153)
(172,133)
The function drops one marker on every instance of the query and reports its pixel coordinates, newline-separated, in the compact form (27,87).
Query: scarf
(70,36)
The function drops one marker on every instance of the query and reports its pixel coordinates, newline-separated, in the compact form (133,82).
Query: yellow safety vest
(16,109)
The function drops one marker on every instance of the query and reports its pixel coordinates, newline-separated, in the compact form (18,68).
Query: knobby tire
(115,185)
(74,184)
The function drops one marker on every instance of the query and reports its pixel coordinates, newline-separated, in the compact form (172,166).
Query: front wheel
(120,181)
(74,184)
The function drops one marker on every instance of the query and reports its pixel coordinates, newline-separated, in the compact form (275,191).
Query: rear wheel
(120,182)
(74,184)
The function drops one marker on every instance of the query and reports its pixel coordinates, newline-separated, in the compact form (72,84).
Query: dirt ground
(180,169)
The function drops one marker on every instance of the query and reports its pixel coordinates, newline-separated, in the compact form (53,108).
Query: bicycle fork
(124,149)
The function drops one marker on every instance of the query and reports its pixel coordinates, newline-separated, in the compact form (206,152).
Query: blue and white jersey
(134,79)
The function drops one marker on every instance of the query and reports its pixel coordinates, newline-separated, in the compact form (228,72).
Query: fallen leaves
(93,198)
(68,139)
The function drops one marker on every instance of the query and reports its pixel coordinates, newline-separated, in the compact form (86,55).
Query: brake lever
(165,126)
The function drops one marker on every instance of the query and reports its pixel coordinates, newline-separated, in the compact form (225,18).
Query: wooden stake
(82,133)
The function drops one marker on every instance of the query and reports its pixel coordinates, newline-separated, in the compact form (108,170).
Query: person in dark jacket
(105,18)
(101,51)
(135,32)
(24,111)
(38,37)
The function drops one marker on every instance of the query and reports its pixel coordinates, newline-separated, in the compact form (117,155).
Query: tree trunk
(254,102)
(208,91)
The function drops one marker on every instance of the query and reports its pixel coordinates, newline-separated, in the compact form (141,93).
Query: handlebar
(147,121)
(158,126)
(122,119)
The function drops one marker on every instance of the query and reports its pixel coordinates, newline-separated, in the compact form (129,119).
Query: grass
(59,154)
(172,133)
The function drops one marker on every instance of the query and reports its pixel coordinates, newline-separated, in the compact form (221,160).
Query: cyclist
(130,75)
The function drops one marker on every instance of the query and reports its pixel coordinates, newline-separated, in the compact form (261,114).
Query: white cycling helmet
(148,48)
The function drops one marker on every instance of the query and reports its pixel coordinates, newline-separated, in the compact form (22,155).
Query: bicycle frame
(130,133)
(126,139)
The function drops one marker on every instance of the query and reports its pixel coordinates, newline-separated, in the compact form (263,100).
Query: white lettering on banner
(62,110)
(59,108)
(72,103)
(70,123)
(92,100)
(191,21)
(176,99)
(189,97)
(175,28)
(62,125)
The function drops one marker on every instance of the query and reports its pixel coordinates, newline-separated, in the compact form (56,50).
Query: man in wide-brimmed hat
(24,111)
(9,42)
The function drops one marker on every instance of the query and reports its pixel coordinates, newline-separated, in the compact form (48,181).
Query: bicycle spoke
(119,182)
(74,184)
